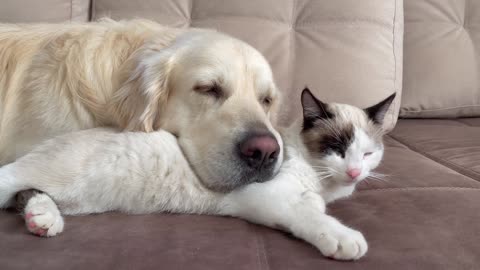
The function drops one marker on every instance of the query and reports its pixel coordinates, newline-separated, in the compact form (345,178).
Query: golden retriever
(214,92)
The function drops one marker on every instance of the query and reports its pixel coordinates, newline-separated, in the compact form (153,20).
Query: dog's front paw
(42,216)
(342,243)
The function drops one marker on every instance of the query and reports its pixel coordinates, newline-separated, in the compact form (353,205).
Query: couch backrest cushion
(29,11)
(344,50)
(442,54)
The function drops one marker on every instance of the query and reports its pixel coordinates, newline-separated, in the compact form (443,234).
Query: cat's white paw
(342,243)
(42,216)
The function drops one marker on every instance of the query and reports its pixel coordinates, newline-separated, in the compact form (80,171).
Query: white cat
(101,170)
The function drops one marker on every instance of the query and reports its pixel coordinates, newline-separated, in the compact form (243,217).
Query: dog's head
(217,95)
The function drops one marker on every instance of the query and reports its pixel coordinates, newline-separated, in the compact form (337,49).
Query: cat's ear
(313,109)
(377,112)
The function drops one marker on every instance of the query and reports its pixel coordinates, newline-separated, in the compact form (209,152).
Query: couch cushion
(415,228)
(442,54)
(404,168)
(29,11)
(344,51)
(454,144)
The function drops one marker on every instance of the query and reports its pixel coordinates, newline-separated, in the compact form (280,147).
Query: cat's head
(344,142)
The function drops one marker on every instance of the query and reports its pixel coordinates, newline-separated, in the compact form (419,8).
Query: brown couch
(426,215)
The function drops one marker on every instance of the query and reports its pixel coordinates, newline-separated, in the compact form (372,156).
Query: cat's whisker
(321,168)
(376,178)
(335,171)
(379,174)
(330,169)
(323,174)
(322,177)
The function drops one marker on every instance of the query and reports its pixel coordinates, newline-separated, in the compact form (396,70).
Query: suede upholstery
(442,53)
(425,215)
(45,11)
(343,51)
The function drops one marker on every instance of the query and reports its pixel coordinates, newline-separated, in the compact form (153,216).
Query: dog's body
(137,75)
(55,79)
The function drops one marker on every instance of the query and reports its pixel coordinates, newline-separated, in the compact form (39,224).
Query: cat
(327,153)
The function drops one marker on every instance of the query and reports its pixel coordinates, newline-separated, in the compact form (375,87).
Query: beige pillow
(345,50)
(442,58)
(35,11)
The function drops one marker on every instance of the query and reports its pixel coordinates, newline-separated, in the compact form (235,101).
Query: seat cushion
(407,228)
(404,168)
(343,51)
(412,228)
(453,143)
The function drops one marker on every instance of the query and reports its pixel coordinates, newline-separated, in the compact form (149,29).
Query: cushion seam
(315,24)
(320,22)
(457,168)
(465,124)
(413,188)
(93,12)
(190,15)
(440,109)
(71,10)
(292,45)
(396,103)
(261,252)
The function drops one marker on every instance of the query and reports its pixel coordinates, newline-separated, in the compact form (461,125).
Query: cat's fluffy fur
(101,170)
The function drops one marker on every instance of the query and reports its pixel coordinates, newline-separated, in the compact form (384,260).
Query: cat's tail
(9,186)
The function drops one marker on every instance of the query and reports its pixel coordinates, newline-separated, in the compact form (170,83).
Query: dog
(214,92)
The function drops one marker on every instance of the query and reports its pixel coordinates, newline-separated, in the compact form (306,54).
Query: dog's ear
(142,94)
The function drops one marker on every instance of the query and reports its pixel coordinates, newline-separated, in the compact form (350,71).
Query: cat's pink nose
(353,173)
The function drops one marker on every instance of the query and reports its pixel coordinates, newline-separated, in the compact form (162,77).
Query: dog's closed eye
(209,89)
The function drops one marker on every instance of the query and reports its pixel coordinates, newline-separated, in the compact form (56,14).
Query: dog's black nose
(259,151)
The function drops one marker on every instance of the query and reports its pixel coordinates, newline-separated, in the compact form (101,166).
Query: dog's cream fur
(101,170)
(136,75)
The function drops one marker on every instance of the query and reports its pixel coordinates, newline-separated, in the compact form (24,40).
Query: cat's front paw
(42,216)
(342,243)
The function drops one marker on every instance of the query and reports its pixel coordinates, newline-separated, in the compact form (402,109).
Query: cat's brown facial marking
(323,132)
(326,137)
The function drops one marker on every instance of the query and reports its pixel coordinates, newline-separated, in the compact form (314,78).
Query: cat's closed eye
(366,154)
